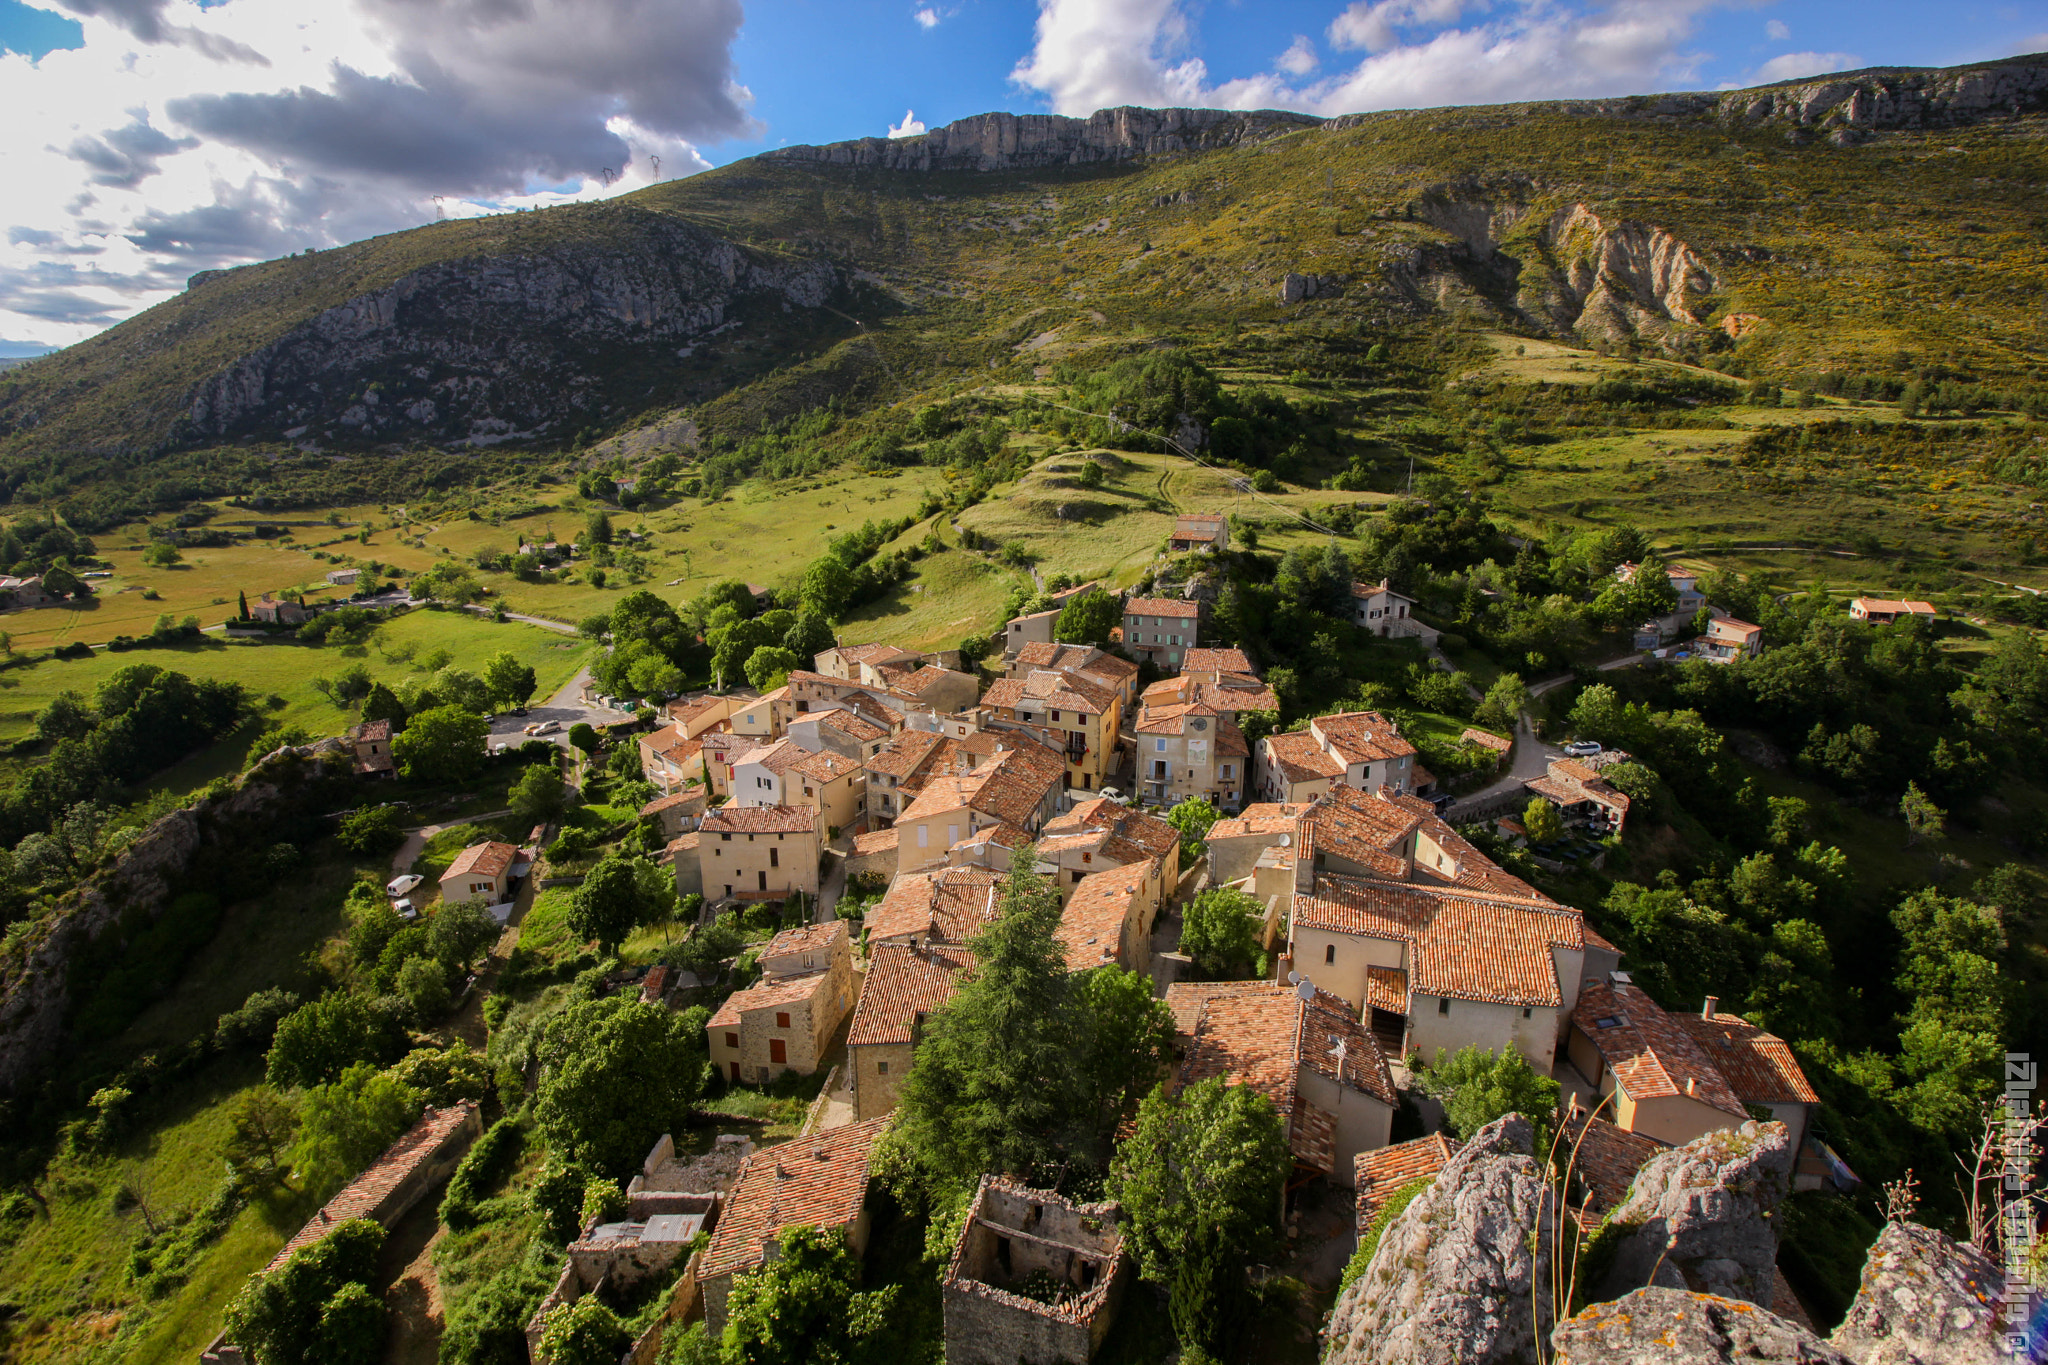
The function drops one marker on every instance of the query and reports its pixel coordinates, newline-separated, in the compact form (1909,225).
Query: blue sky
(150,139)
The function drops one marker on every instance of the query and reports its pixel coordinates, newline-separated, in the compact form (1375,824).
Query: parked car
(546,727)
(399,886)
(1583,748)
(406,909)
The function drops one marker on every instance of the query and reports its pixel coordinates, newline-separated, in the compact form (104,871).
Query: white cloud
(1091,54)
(1792,65)
(1300,57)
(180,137)
(910,127)
(927,17)
(1776,30)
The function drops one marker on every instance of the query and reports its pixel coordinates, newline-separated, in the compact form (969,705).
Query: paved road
(565,708)
(543,622)
(1532,756)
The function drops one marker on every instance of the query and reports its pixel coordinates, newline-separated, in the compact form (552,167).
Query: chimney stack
(1692,1085)
(1707,1010)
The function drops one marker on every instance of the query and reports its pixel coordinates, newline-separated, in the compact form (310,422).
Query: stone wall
(1014,1234)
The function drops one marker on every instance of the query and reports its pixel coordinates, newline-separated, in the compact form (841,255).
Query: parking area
(563,711)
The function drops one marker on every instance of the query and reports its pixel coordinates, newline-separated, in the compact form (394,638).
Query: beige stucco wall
(1676,1119)
(1363,1122)
(838,802)
(1492,1027)
(739,862)
(1345,975)
(473,886)
(875,1090)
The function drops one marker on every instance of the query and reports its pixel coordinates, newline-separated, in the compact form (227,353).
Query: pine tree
(245,606)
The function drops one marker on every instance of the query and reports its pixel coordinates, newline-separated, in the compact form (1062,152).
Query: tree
(1503,704)
(1192,817)
(346,1124)
(447,581)
(1542,822)
(381,703)
(585,1332)
(242,612)
(1220,931)
(615,1075)
(161,554)
(68,716)
(261,1127)
(615,899)
(807,1306)
(277,1318)
(769,666)
(1130,1039)
(1924,819)
(509,681)
(1477,1087)
(317,1041)
(809,637)
(370,831)
(995,1080)
(351,1330)
(1088,617)
(443,745)
(584,736)
(827,587)
(539,794)
(423,985)
(1213,1157)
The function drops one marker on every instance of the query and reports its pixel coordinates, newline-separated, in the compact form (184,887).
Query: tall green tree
(806,1307)
(1477,1087)
(827,587)
(617,897)
(616,1074)
(319,1040)
(586,1332)
(769,666)
(809,637)
(511,683)
(1220,931)
(1192,817)
(1088,617)
(1209,1160)
(539,794)
(1542,822)
(346,1124)
(303,1311)
(442,745)
(1129,1033)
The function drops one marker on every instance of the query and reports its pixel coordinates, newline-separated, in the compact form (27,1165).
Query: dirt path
(416,839)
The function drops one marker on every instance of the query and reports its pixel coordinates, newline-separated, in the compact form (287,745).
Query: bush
(482,1167)
(1382,1218)
(372,830)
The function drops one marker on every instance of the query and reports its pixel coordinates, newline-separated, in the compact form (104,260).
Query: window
(782,1019)
(1087,857)
(1330,953)
(732,1040)
(1077,874)
(725,838)
(778,1051)
(923,835)
(775,857)
(1443,1007)
(1525,1011)
(1158,746)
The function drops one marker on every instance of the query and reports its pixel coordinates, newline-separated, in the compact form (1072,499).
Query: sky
(150,139)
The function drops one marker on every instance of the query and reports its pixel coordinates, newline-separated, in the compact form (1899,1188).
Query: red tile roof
(1161,606)
(1299,758)
(1101,815)
(902,983)
(1651,1054)
(368,1191)
(825,766)
(1486,739)
(1603,1158)
(819,1181)
(772,991)
(902,755)
(1385,1170)
(1360,737)
(1759,1066)
(491,859)
(1091,926)
(1043,689)
(807,938)
(949,904)
(1215,660)
(729,819)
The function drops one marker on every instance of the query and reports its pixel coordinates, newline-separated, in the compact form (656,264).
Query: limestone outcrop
(1462,1276)
(1701,1216)
(1672,1327)
(1925,1300)
(1004,142)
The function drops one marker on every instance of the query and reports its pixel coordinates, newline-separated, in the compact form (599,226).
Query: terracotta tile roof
(1361,737)
(1184,719)
(771,992)
(1462,945)
(1161,606)
(1091,926)
(777,758)
(916,684)
(902,755)
(819,1181)
(1894,607)
(949,904)
(1150,834)
(1107,670)
(874,841)
(1215,660)
(1299,758)
(853,725)
(1486,739)
(1375,589)
(1264,1035)
(1234,693)
(1260,819)
(1728,625)
(868,654)
(1012,785)
(1186,999)
(1386,988)
(1758,1066)
(1604,1158)
(809,938)
(1044,689)
(683,843)
(1361,828)
(370,730)
(669,740)
(491,859)
(686,711)
(825,766)
(761,820)
(1198,526)
(901,983)
(1006,835)
(1651,1055)
(370,1189)
(1385,1170)
(686,798)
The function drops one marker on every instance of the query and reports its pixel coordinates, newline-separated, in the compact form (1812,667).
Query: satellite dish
(1286,840)
(1306,989)
(1294,978)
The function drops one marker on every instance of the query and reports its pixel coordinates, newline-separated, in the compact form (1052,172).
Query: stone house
(684,856)
(1301,1047)
(1100,834)
(274,612)
(1035,1278)
(840,730)
(1161,630)
(1018,786)
(904,983)
(677,813)
(1361,749)
(1035,629)
(1199,533)
(371,741)
(1191,751)
(785,1022)
(1065,712)
(1084,661)
(943,691)
(1586,799)
(343,578)
(819,1181)
(898,771)
(863,663)
(1221,679)
(934,905)
(759,852)
(1108,918)
(481,872)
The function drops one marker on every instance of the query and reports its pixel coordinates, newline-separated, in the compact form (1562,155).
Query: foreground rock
(1455,1279)
(1925,1300)
(1673,1327)
(1702,1216)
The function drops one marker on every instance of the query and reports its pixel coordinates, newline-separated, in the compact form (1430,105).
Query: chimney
(1707,1010)
(1692,1085)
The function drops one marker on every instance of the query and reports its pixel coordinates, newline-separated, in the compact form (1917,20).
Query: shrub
(482,1166)
(1382,1218)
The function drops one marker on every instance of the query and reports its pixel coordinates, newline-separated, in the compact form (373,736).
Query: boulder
(1701,1216)
(1674,1327)
(1925,1300)
(1455,1280)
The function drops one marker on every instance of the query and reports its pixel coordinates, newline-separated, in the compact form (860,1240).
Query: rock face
(1672,1327)
(1925,1300)
(480,350)
(1002,142)
(1455,1280)
(1701,1215)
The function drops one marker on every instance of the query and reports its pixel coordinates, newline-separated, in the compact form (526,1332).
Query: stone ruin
(668,1204)
(1035,1278)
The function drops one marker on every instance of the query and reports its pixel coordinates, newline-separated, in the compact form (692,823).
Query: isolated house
(1585,798)
(271,611)
(759,852)
(1728,639)
(903,985)
(1379,609)
(1684,582)
(371,741)
(1199,532)
(481,872)
(785,1022)
(819,1182)
(1883,610)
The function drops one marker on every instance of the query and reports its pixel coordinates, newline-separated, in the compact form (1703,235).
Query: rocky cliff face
(1924,1301)
(1005,142)
(477,351)
(1701,1216)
